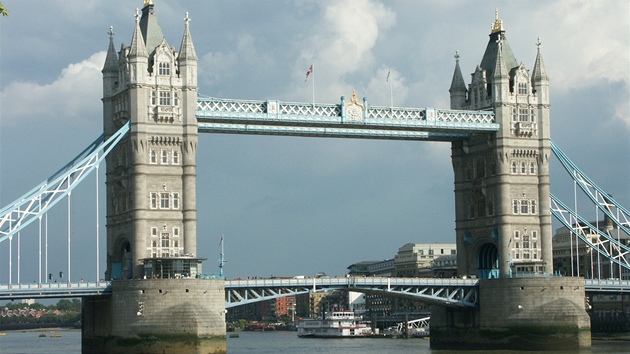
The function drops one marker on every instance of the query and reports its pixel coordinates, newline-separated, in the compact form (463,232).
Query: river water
(264,342)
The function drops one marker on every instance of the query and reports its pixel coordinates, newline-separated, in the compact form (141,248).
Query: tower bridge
(499,130)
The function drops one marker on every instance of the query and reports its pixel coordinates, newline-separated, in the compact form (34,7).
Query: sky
(297,206)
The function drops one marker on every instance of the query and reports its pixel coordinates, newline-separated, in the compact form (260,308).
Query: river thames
(18,342)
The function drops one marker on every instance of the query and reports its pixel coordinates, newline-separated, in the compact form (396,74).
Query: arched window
(523,168)
(153,156)
(515,206)
(513,166)
(175,157)
(532,168)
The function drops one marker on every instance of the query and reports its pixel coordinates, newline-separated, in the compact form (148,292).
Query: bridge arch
(488,261)
(121,259)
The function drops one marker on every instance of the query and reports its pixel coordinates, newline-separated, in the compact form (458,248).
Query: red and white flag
(308,72)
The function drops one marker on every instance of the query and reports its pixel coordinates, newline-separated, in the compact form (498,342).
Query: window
(176,98)
(490,207)
(154,243)
(517,255)
(516,245)
(164,68)
(514,114)
(153,98)
(522,88)
(175,157)
(176,232)
(533,209)
(532,115)
(166,242)
(154,232)
(164,157)
(523,169)
(515,206)
(153,157)
(175,200)
(524,206)
(517,235)
(532,168)
(154,200)
(165,98)
(525,241)
(164,200)
(523,115)
(480,168)
(534,235)
(176,244)
(513,166)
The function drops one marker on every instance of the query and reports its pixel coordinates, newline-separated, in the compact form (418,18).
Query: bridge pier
(156,316)
(517,314)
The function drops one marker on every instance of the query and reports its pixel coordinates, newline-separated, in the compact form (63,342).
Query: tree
(66,305)
(3,11)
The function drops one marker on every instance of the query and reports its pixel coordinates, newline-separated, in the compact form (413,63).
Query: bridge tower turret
(151,175)
(502,178)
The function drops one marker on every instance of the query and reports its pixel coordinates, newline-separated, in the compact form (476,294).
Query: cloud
(343,45)
(73,97)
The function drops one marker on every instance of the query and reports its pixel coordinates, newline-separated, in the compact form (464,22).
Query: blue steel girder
(604,201)
(602,242)
(274,117)
(32,205)
(445,292)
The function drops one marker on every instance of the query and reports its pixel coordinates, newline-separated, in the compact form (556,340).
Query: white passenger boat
(340,324)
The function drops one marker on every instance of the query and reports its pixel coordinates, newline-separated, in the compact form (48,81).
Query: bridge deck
(455,292)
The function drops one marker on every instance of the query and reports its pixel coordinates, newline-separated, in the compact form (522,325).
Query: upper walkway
(345,120)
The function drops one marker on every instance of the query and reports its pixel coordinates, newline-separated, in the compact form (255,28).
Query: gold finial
(148,2)
(354,97)
(497,26)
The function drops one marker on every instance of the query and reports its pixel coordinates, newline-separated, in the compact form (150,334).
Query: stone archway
(488,261)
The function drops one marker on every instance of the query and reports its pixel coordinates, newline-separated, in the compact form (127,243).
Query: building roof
(489,59)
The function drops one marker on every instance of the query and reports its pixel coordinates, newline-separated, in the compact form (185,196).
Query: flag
(308,72)
(388,74)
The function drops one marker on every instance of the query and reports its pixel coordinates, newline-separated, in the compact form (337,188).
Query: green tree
(66,305)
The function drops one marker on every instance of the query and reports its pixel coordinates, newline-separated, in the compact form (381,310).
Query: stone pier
(517,314)
(156,316)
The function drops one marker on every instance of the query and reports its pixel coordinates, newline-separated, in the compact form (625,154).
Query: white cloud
(343,45)
(73,97)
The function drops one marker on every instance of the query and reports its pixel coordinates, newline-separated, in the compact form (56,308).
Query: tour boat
(340,324)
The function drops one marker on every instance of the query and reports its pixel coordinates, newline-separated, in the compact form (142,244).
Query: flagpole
(391,94)
(313,73)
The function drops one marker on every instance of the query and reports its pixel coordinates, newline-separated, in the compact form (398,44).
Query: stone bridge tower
(503,224)
(151,175)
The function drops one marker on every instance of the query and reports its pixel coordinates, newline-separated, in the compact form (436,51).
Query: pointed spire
(457,84)
(137,47)
(187,49)
(111,60)
(500,70)
(539,72)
